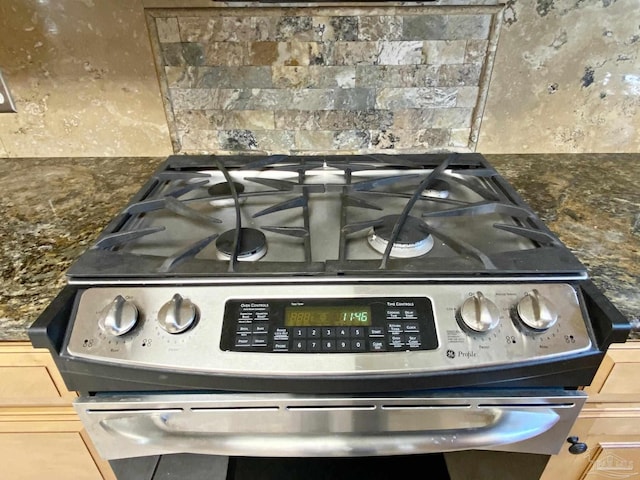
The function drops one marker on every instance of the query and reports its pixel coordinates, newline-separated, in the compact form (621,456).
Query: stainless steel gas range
(327,306)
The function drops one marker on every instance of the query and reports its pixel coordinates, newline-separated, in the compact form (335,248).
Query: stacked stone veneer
(314,80)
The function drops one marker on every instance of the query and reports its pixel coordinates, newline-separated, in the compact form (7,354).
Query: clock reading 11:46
(327,316)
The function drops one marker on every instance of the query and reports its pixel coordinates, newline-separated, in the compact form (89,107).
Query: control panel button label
(280,346)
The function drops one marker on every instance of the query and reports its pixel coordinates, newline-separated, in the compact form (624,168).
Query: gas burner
(413,241)
(438,189)
(253,245)
(223,189)
(468,219)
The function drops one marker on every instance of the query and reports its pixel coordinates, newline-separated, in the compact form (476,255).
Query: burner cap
(413,241)
(223,189)
(438,189)
(253,245)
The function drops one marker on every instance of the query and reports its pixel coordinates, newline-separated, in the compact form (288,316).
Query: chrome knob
(177,315)
(119,317)
(479,313)
(536,311)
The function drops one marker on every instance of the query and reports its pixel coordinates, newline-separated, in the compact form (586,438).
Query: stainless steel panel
(198,349)
(307,426)
(324,216)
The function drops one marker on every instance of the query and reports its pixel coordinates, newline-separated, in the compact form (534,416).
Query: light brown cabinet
(40,433)
(609,423)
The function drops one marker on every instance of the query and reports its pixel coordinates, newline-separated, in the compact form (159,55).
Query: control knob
(177,315)
(536,312)
(119,317)
(479,313)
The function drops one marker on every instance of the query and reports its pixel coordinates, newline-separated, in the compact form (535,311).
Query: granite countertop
(592,203)
(54,208)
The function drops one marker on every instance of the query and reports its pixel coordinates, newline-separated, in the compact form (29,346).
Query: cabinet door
(616,379)
(46,455)
(613,440)
(47,443)
(29,376)
(41,437)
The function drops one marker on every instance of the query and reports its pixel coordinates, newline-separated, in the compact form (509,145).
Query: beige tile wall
(311,80)
(566,78)
(82,76)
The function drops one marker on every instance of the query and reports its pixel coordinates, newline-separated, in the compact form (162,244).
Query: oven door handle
(156,433)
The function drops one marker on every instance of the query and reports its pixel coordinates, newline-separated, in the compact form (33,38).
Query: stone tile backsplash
(323,79)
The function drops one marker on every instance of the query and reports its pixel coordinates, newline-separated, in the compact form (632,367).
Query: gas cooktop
(434,216)
(401,272)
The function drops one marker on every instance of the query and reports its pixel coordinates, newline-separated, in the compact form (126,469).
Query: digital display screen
(327,316)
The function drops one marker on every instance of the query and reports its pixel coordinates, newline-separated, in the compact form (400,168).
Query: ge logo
(451,354)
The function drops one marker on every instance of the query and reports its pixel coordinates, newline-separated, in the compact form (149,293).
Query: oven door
(281,425)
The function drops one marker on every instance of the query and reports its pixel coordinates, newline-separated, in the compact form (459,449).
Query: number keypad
(321,339)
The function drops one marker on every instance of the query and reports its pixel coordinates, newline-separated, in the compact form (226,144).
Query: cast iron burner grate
(316,213)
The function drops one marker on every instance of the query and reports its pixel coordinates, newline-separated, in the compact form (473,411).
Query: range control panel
(335,328)
(343,325)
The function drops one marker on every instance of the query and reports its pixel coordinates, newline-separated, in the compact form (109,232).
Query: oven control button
(177,315)
(357,332)
(280,346)
(479,313)
(119,317)
(536,311)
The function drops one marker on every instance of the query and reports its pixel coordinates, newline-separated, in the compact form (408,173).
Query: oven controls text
(536,311)
(119,317)
(479,313)
(177,315)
